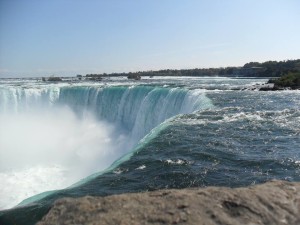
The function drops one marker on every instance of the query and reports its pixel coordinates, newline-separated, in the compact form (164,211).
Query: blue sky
(69,37)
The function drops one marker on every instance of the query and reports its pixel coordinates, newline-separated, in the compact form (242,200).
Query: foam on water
(34,180)
(51,150)
(283,118)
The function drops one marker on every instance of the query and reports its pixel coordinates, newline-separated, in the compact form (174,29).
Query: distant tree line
(251,69)
(276,69)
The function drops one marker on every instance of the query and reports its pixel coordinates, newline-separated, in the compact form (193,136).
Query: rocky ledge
(275,202)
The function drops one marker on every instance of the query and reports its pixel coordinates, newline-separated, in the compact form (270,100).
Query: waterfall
(52,136)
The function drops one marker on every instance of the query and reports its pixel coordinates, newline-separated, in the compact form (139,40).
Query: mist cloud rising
(51,149)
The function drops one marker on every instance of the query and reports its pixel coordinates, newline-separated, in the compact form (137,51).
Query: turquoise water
(125,136)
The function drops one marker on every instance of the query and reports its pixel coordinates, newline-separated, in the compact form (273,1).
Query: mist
(47,150)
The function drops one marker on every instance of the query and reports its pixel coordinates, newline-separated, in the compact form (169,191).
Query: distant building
(94,77)
(54,79)
(51,79)
(134,76)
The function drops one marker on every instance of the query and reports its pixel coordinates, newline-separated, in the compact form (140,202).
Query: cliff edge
(275,202)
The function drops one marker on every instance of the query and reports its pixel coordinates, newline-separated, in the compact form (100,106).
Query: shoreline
(274,202)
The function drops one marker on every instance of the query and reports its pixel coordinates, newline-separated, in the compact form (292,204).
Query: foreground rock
(276,202)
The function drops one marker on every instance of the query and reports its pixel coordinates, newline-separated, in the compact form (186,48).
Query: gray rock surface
(275,202)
